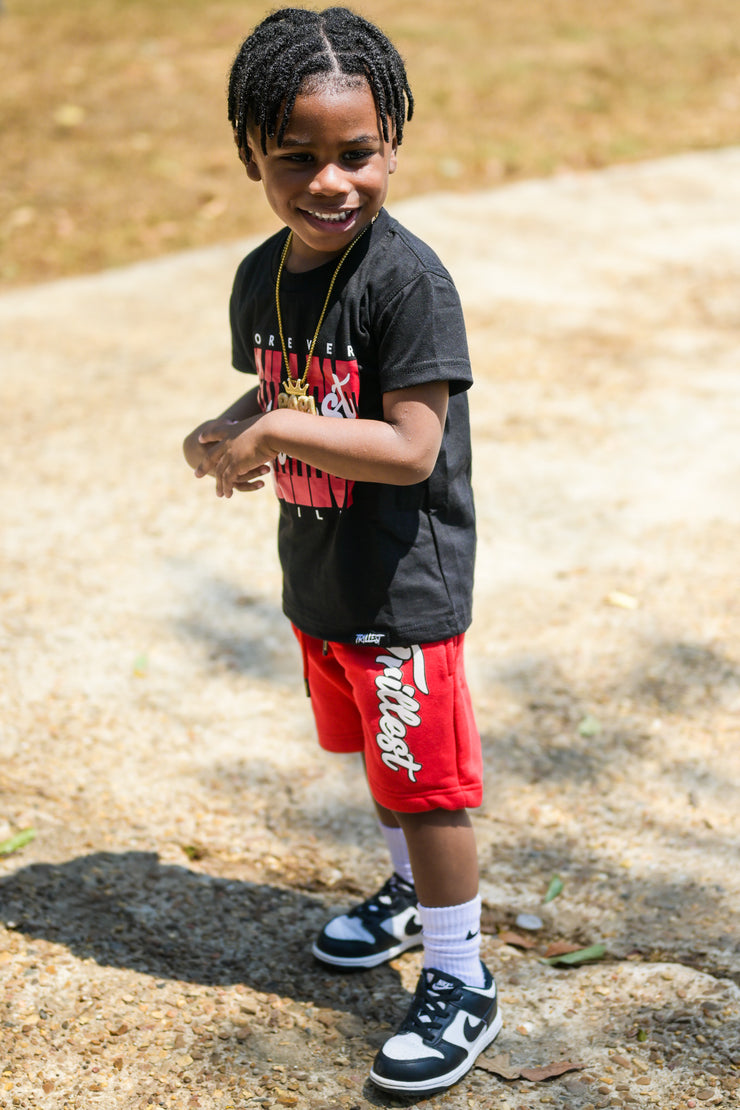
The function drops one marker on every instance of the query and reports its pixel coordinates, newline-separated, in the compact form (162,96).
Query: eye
(358,155)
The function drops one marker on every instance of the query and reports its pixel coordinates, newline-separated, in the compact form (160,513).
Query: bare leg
(387,817)
(443,855)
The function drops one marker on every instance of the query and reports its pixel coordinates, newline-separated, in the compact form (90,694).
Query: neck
(295,264)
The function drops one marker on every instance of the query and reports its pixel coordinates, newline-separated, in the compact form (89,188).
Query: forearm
(359,450)
(246,406)
(401,449)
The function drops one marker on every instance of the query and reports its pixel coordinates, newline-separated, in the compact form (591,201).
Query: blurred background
(115,144)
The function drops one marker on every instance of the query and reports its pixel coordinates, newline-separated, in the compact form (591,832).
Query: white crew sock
(396,841)
(451,936)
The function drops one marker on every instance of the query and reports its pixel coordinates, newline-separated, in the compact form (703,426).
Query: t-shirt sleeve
(422,336)
(242,354)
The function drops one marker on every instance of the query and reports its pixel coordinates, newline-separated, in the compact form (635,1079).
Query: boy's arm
(401,449)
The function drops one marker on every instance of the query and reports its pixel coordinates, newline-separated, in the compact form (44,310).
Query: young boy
(355,332)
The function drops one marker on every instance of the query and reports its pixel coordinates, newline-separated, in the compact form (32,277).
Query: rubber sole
(366,961)
(440,1083)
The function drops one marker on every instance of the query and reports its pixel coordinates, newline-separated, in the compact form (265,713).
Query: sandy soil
(190,836)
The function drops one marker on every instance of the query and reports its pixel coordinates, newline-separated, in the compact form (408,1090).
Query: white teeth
(334,218)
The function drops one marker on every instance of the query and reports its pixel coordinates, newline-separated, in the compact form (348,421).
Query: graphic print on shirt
(335,386)
(399,705)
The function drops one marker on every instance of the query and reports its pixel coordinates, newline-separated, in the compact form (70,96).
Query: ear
(253,170)
(246,157)
(393,158)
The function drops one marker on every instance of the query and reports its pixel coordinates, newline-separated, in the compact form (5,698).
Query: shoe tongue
(437,982)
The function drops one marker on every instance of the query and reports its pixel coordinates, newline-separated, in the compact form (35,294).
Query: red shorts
(408,710)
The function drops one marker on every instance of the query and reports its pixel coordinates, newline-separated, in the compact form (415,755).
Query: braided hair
(293,49)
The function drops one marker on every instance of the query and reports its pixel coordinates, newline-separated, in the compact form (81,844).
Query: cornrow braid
(291,47)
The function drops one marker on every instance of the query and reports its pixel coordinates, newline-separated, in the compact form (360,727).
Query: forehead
(333,110)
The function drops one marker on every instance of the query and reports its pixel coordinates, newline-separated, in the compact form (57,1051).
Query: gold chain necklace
(294,393)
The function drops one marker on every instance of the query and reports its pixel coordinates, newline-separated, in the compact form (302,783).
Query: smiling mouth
(332,219)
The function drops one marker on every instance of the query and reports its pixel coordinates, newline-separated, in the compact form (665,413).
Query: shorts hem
(472,798)
(340,746)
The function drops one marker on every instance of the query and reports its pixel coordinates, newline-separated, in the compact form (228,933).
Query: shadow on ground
(128,910)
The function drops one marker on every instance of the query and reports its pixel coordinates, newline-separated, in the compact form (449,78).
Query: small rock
(529,921)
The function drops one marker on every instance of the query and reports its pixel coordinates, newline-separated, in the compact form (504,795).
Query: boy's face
(329,178)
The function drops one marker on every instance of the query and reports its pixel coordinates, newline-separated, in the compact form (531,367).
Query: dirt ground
(190,837)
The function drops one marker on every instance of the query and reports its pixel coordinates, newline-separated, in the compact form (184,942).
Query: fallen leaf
(621,600)
(555,888)
(498,1065)
(579,956)
(501,1066)
(194,851)
(516,939)
(141,666)
(549,1071)
(561,948)
(19,840)
(590,726)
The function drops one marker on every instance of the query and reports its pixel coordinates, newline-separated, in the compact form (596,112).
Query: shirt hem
(399,636)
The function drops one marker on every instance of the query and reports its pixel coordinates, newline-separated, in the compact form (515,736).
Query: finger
(248,487)
(250,480)
(254,472)
(227,481)
(224,481)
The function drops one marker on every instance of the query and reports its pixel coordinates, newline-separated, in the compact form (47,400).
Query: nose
(329,180)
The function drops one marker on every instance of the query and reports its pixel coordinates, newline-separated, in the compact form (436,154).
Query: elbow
(417,468)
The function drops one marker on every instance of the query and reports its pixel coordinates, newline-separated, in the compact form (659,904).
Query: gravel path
(190,837)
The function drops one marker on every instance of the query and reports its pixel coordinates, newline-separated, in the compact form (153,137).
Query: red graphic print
(335,385)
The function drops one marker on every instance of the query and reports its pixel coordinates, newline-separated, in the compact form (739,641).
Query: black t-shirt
(365,562)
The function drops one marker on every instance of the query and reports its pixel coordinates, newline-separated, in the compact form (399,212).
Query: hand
(232,454)
(196,453)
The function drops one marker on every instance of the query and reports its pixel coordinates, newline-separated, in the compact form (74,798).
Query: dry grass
(115,145)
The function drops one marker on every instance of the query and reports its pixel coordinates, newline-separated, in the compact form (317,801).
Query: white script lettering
(399,707)
(335,403)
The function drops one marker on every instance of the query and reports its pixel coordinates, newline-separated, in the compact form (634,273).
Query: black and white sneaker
(447,1026)
(377,930)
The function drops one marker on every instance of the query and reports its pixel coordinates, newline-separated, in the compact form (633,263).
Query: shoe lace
(392,896)
(428,1011)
